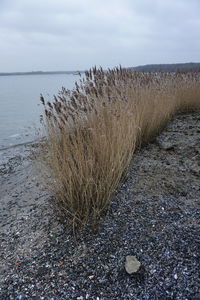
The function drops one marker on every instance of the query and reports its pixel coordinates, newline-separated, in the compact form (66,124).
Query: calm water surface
(20,107)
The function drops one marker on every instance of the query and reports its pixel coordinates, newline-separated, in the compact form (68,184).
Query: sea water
(20,107)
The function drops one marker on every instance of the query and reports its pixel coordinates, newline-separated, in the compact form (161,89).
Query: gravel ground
(154,216)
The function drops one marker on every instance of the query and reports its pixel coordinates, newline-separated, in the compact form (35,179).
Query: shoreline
(154,216)
(3,148)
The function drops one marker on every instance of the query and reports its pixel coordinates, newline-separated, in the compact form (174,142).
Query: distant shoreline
(41,73)
(144,68)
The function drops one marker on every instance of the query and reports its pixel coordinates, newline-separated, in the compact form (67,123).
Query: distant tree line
(40,73)
(145,68)
(168,67)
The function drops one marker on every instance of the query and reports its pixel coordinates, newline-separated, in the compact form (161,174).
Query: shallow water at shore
(20,105)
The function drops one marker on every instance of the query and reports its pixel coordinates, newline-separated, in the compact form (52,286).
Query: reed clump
(92,132)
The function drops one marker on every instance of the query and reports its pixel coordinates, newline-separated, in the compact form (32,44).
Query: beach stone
(132,265)
(195,169)
(166,145)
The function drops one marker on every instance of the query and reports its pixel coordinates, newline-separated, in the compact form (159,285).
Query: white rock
(132,265)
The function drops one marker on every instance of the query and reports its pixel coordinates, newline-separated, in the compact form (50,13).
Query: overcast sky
(78,34)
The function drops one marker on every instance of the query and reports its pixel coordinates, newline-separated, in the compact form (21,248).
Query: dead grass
(93,130)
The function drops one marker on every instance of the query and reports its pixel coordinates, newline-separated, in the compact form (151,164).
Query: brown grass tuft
(93,130)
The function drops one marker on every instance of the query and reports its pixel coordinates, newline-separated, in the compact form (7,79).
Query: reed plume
(93,130)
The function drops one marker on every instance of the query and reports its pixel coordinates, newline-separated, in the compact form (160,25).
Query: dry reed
(93,130)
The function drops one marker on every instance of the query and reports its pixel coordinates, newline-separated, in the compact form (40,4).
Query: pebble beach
(154,216)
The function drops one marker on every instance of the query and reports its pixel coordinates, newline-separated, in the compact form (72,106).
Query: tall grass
(93,131)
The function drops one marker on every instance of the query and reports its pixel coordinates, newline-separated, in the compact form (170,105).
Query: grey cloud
(75,34)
